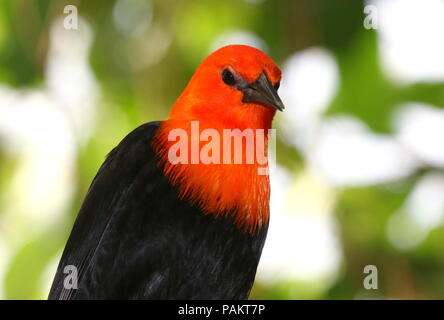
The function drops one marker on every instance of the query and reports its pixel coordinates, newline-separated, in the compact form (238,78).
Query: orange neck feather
(218,189)
(222,189)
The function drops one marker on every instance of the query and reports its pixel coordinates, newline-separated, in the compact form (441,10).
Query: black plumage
(135,239)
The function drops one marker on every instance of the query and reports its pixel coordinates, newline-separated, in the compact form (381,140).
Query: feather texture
(134,238)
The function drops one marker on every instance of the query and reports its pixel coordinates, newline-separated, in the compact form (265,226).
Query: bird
(154,228)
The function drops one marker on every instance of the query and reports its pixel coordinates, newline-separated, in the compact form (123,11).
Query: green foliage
(131,94)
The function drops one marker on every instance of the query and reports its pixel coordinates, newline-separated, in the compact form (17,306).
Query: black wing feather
(109,187)
(135,239)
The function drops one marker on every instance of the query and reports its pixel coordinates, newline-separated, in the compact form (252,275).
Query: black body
(134,239)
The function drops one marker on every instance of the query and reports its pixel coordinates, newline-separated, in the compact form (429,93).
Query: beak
(262,91)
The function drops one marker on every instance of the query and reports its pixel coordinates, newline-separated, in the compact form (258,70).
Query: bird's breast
(219,170)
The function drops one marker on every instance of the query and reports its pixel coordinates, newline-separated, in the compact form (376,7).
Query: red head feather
(222,188)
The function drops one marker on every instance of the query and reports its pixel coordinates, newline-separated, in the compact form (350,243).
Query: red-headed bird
(150,228)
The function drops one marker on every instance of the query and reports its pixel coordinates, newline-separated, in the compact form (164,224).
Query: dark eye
(277,85)
(228,77)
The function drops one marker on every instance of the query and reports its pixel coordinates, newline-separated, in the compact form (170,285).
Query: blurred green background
(360,146)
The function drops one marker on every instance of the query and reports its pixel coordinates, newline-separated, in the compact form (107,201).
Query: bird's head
(235,86)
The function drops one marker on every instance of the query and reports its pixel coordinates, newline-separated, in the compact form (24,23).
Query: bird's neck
(220,170)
